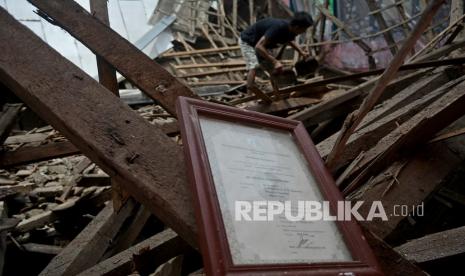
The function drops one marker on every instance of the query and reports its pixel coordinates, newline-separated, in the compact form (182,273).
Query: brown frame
(214,245)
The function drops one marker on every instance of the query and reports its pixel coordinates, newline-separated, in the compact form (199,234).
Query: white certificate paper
(252,163)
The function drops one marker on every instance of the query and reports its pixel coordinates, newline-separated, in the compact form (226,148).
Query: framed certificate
(260,191)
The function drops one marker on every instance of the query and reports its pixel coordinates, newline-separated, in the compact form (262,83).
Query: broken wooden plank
(212,64)
(435,246)
(138,68)
(448,135)
(429,82)
(391,262)
(305,88)
(283,105)
(415,131)
(42,248)
(216,82)
(41,219)
(126,238)
(111,134)
(211,72)
(201,51)
(8,190)
(7,119)
(158,249)
(261,95)
(27,155)
(325,110)
(367,136)
(26,138)
(36,221)
(86,249)
(418,179)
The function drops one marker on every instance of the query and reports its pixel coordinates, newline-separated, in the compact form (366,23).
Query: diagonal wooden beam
(146,74)
(325,110)
(7,120)
(156,249)
(374,129)
(87,248)
(106,72)
(434,247)
(146,161)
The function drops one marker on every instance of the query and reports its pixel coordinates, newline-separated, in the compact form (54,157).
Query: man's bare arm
(261,49)
(298,49)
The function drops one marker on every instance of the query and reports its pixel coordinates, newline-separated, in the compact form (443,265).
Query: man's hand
(278,66)
(304,54)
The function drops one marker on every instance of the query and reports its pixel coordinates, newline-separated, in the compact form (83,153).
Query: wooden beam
(211,72)
(234,14)
(380,122)
(251,12)
(106,72)
(209,51)
(353,120)
(157,249)
(325,110)
(107,77)
(86,249)
(213,64)
(261,95)
(126,238)
(421,175)
(42,248)
(7,120)
(26,138)
(216,82)
(391,262)
(435,246)
(283,105)
(110,133)
(138,68)
(454,133)
(27,155)
(429,82)
(305,88)
(414,132)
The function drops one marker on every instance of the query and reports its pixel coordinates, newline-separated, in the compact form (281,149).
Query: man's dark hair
(301,19)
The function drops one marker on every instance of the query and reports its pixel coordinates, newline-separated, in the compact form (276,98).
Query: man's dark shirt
(275,30)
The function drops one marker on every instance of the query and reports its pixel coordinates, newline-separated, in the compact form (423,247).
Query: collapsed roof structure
(95,184)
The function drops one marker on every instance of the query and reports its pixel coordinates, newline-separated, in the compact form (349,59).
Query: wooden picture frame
(203,125)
